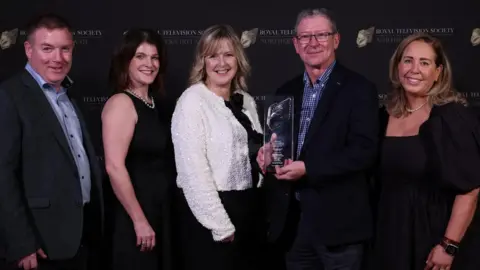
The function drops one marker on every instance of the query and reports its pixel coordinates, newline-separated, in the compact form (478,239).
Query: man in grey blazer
(50,182)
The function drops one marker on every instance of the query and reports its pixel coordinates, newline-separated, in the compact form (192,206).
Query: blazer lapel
(330,91)
(38,102)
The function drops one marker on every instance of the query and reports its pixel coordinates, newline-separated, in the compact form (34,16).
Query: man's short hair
(311,12)
(49,21)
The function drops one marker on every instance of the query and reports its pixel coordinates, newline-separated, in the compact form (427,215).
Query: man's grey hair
(311,12)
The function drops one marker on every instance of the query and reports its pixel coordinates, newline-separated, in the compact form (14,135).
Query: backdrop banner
(370,31)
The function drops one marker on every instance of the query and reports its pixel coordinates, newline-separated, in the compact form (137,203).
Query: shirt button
(71,136)
(83,177)
(65,116)
(314,95)
(78,155)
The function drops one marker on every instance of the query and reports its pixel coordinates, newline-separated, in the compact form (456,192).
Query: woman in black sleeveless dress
(139,156)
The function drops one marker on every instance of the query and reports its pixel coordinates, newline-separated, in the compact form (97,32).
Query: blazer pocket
(38,202)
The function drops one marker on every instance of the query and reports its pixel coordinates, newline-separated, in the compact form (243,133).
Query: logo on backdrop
(396,35)
(95,102)
(8,38)
(80,37)
(267,36)
(472,97)
(382,99)
(365,36)
(249,37)
(475,39)
(86,36)
(180,36)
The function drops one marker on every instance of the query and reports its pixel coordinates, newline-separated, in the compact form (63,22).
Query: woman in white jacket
(216,133)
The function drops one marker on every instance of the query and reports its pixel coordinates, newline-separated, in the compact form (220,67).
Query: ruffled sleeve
(452,141)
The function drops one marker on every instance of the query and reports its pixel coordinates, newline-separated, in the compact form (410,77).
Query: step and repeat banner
(370,31)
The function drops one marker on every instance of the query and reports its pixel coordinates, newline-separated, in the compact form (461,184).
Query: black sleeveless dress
(150,164)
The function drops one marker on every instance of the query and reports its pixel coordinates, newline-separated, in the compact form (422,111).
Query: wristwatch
(451,247)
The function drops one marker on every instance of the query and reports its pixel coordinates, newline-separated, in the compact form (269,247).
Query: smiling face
(417,70)
(49,52)
(143,68)
(221,66)
(316,41)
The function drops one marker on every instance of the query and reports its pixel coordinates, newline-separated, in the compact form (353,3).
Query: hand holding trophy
(264,156)
(278,134)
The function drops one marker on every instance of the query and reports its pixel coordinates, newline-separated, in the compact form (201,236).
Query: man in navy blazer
(51,203)
(319,202)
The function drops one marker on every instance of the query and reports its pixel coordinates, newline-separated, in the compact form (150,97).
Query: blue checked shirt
(311,96)
(70,124)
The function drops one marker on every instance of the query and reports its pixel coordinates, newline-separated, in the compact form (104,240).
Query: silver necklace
(151,106)
(416,109)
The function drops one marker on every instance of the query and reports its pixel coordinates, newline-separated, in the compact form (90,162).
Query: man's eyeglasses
(305,39)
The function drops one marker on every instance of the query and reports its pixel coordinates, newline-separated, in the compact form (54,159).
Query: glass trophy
(278,131)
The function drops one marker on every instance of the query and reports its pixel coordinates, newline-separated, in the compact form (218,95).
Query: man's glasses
(305,39)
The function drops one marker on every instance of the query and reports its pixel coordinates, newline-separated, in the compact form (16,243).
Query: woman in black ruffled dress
(428,172)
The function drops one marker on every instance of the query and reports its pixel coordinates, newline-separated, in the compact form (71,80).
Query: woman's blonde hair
(442,91)
(209,44)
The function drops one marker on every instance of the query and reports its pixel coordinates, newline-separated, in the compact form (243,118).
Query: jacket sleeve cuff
(220,235)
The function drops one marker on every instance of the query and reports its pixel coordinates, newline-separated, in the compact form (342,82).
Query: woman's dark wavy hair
(132,39)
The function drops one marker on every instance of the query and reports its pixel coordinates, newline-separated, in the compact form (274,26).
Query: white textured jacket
(211,154)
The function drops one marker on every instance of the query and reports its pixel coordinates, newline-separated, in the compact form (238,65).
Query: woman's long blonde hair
(208,45)
(442,91)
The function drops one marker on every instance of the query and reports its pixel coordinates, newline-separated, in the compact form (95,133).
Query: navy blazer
(339,151)
(40,197)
